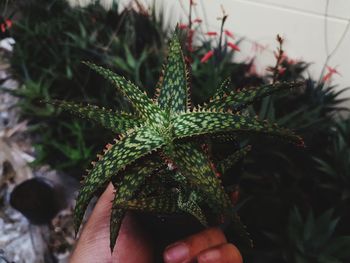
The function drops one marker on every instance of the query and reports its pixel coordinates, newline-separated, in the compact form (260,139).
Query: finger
(187,249)
(225,253)
(133,243)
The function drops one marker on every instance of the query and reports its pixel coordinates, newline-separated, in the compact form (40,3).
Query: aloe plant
(157,162)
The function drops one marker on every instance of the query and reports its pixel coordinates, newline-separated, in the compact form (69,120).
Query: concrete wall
(300,22)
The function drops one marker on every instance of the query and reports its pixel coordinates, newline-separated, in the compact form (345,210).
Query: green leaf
(267,109)
(129,57)
(232,159)
(212,123)
(222,90)
(223,138)
(118,122)
(324,228)
(238,100)
(139,100)
(174,91)
(188,204)
(194,164)
(160,182)
(133,178)
(339,247)
(309,226)
(166,203)
(295,228)
(122,153)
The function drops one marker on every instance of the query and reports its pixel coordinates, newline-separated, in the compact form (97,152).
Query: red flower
(234,196)
(229,33)
(331,72)
(197,20)
(8,23)
(213,168)
(190,40)
(188,59)
(233,46)
(281,70)
(212,33)
(182,26)
(327,77)
(287,59)
(207,56)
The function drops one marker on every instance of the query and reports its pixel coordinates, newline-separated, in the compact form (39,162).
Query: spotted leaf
(212,123)
(166,203)
(237,100)
(189,204)
(118,122)
(133,178)
(222,90)
(139,100)
(127,150)
(194,164)
(232,159)
(174,91)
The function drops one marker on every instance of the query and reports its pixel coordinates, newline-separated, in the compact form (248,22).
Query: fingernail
(177,252)
(210,257)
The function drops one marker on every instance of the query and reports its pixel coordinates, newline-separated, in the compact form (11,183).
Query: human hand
(135,245)
(207,246)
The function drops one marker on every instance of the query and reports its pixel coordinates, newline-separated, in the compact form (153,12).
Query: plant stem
(279,57)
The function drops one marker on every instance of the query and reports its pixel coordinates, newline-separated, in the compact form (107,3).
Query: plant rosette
(158,163)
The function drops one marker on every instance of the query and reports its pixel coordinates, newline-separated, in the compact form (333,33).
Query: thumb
(93,243)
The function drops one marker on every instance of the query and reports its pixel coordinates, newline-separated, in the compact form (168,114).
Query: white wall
(300,22)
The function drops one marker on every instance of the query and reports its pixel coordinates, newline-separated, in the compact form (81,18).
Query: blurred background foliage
(295,202)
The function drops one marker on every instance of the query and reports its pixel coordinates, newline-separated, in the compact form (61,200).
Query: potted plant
(159,162)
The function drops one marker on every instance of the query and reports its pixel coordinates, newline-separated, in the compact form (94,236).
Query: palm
(94,239)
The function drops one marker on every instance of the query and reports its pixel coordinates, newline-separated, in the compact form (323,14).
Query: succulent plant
(157,162)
